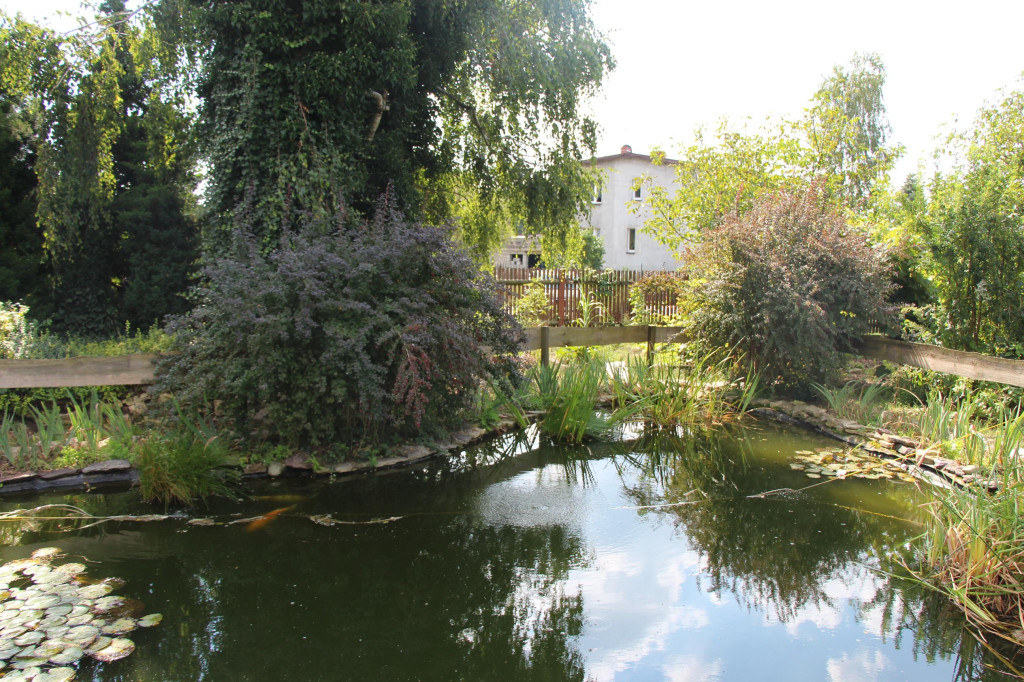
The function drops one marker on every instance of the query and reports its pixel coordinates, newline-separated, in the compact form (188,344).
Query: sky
(685,63)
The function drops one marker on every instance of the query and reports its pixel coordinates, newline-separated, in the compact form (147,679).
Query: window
(631,240)
(596,196)
(637,190)
(596,231)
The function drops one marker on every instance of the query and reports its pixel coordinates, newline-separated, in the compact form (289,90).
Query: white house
(625,246)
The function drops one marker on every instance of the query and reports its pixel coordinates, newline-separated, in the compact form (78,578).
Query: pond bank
(880,442)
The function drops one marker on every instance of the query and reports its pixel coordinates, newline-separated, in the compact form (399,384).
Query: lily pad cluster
(52,616)
(845,463)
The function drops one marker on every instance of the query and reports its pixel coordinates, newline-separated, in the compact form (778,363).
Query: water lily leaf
(121,626)
(60,610)
(115,651)
(33,637)
(47,553)
(63,674)
(813,475)
(107,604)
(95,591)
(796,467)
(150,620)
(43,602)
(68,656)
(100,643)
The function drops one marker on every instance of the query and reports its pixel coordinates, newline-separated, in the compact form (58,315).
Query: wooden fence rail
(139,369)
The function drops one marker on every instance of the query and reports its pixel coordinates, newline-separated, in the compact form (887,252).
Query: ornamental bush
(790,284)
(341,335)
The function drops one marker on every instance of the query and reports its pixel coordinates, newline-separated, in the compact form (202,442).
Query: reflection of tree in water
(438,595)
(775,552)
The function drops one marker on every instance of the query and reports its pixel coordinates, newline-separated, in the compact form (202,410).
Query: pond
(644,559)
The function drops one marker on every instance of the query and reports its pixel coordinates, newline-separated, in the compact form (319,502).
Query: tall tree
(114,173)
(847,130)
(467,108)
(22,277)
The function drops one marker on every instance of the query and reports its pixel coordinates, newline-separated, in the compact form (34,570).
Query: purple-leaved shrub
(361,334)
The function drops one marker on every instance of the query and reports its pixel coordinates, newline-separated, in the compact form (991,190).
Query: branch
(471,110)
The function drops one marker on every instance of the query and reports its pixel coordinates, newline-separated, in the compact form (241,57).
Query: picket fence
(566,288)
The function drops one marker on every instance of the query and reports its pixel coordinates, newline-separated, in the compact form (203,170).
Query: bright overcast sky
(683,63)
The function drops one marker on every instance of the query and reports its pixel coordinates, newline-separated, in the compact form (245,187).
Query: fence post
(650,345)
(545,346)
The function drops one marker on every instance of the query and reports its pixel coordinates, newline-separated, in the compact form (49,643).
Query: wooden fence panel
(960,363)
(122,370)
(566,288)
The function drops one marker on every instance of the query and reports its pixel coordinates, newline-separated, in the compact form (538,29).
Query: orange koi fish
(267,518)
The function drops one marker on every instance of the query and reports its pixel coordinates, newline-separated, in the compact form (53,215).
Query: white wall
(612,220)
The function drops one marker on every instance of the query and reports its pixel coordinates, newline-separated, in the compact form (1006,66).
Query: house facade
(626,246)
(610,219)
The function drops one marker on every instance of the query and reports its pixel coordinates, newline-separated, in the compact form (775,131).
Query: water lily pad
(63,674)
(150,620)
(22,564)
(33,637)
(118,649)
(114,583)
(23,675)
(75,621)
(95,591)
(78,610)
(36,569)
(43,602)
(68,656)
(50,648)
(83,634)
(26,652)
(813,475)
(61,610)
(58,631)
(70,570)
(796,467)
(25,663)
(121,626)
(99,644)
(107,604)
(47,553)
(51,622)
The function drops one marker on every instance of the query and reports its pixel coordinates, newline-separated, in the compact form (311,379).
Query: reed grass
(862,403)
(669,396)
(179,468)
(568,394)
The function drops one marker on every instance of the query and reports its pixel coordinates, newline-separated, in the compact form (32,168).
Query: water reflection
(639,560)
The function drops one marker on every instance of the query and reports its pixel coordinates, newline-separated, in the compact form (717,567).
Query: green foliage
(469,110)
(670,396)
(181,467)
(568,393)
(533,308)
(846,130)
(654,284)
(370,333)
(113,167)
(17,333)
(862,403)
(788,284)
(841,142)
(21,274)
(976,235)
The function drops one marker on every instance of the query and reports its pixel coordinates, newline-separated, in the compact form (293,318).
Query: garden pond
(705,557)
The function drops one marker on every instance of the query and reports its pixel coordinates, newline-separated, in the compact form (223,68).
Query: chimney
(626,149)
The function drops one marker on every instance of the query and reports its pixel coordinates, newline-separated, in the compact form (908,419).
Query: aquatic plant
(859,402)
(568,394)
(180,467)
(53,618)
(973,552)
(668,396)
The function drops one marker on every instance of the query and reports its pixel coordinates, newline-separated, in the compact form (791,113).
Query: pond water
(637,560)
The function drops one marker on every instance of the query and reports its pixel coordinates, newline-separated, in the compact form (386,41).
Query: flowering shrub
(365,333)
(17,333)
(790,284)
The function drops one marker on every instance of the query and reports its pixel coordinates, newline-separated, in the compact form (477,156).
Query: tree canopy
(468,109)
(842,139)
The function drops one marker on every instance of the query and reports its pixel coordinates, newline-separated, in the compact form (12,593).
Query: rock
(970,468)
(57,473)
(345,468)
(109,466)
(412,453)
(254,469)
(300,460)
(275,469)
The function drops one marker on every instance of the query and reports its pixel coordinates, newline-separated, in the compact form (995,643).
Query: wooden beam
(960,363)
(596,336)
(123,370)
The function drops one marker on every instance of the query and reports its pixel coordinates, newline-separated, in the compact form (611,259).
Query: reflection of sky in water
(646,615)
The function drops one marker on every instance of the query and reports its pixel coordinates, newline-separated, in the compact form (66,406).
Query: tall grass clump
(862,403)
(973,548)
(667,396)
(568,394)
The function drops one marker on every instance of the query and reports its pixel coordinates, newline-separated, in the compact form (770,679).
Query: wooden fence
(139,369)
(566,288)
